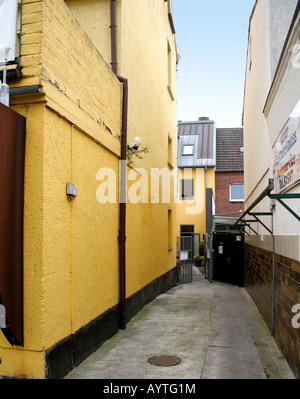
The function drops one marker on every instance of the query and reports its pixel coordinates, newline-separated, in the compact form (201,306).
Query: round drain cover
(164,360)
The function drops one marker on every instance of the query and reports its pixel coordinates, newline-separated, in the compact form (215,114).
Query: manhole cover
(164,360)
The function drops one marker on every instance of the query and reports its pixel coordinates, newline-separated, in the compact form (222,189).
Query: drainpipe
(122,200)
(123,166)
(113,27)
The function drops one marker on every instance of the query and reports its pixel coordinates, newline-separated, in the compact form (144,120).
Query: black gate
(229,258)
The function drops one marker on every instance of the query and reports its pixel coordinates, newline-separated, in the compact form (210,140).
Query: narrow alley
(213,330)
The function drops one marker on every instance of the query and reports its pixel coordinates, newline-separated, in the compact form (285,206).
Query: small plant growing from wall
(138,153)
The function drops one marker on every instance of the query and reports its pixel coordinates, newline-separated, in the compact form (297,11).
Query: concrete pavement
(215,329)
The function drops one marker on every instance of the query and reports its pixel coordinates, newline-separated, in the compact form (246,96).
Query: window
(186,228)
(170,230)
(170,72)
(171,17)
(236,192)
(250,53)
(188,150)
(170,152)
(187,189)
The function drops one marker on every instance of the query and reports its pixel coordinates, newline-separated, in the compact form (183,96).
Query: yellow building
(89,262)
(196,173)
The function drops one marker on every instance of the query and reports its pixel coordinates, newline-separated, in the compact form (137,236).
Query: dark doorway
(229,258)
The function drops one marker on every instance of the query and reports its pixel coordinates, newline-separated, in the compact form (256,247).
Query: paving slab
(214,329)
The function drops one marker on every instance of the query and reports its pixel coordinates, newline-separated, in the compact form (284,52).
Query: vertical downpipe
(21,29)
(113,30)
(123,200)
(123,166)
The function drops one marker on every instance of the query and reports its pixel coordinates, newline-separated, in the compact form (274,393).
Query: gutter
(123,166)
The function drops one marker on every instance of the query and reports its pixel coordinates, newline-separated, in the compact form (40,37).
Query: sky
(212,40)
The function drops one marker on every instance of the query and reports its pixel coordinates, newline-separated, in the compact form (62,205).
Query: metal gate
(187,248)
(185,259)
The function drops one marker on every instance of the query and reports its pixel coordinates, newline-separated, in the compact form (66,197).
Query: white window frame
(235,199)
(193,188)
(190,151)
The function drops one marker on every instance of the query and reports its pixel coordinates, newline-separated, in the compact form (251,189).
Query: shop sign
(287,154)
(8,29)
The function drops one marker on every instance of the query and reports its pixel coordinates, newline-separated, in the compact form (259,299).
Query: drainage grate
(164,360)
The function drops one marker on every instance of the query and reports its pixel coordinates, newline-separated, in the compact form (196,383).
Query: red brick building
(229,196)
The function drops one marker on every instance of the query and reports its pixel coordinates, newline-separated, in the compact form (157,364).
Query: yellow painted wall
(193,212)
(143,37)
(73,130)
(145,40)
(94,17)
(95,230)
(30,359)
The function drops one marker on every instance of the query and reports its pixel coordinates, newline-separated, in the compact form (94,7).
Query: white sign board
(8,29)
(2,317)
(183,255)
(287,154)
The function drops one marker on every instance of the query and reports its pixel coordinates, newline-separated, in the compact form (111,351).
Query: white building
(271,120)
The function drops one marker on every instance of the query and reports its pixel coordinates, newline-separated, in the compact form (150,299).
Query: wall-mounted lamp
(134,144)
(135,150)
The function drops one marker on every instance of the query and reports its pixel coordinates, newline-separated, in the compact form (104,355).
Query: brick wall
(223,180)
(79,85)
(258,282)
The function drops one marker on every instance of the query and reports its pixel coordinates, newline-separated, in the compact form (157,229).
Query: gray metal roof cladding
(202,135)
(229,144)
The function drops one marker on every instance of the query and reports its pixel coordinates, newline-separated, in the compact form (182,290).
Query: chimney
(203,118)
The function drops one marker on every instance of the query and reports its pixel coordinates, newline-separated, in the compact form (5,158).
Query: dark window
(187,228)
(187,189)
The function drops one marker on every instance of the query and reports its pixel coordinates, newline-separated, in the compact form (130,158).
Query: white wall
(257,84)
(268,105)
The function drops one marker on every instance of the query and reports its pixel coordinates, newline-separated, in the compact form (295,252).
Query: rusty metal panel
(12,154)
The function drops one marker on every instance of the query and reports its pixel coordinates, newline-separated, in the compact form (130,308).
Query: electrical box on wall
(2,317)
(71,190)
